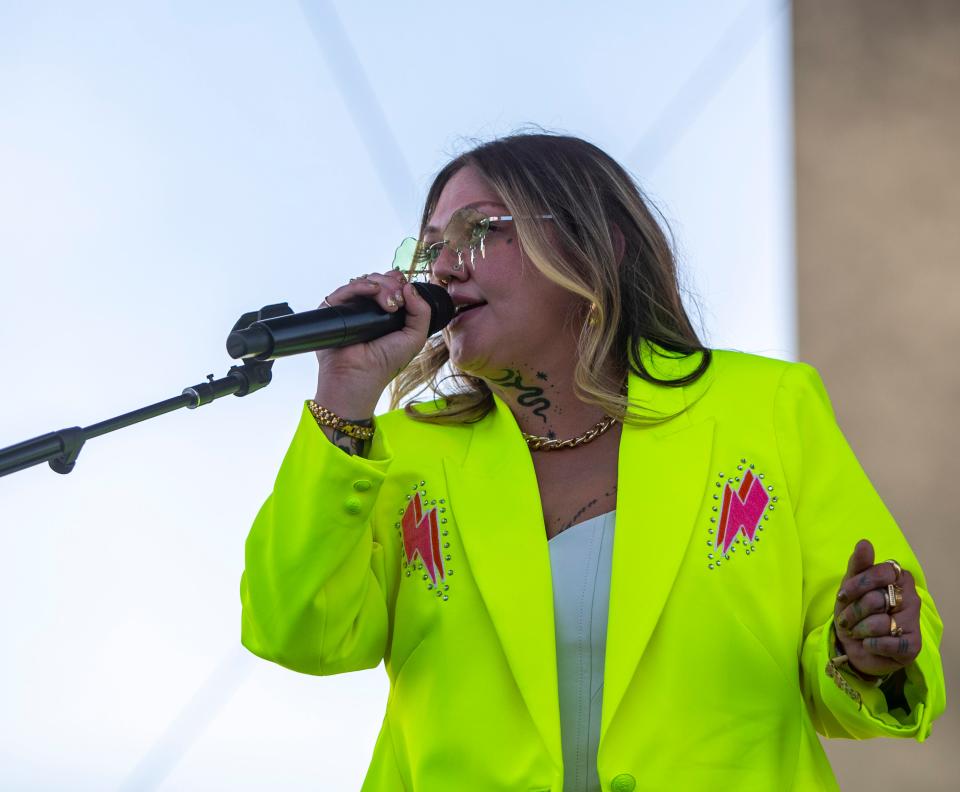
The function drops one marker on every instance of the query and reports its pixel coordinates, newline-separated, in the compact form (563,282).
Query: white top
(580,559)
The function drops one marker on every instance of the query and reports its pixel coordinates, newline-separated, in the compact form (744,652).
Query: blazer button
(361,485)
(353,506)
(623,783)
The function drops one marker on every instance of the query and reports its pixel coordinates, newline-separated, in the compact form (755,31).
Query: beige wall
(877,103)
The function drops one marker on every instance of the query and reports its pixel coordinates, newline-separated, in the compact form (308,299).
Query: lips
(463,309)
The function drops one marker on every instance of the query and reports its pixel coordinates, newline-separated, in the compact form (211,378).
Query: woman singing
(599,556)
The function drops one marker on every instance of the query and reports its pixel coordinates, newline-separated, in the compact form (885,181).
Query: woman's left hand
(864,621)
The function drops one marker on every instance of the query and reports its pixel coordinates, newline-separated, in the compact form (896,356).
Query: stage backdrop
(166,167)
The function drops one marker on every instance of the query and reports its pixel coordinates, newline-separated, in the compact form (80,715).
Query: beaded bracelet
(325,417)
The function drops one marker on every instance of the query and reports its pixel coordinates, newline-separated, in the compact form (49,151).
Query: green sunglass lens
(410,256)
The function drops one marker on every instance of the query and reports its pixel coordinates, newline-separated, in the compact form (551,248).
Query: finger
(877,601)
(878,624)
(876,576)
(873,601)
(391,286)
(391,278)
(379,288)
(906,581)
(350,291)
(911,597)
(418,311)
(904,647)
(861,559)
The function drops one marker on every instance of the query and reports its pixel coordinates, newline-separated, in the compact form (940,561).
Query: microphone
(354,322)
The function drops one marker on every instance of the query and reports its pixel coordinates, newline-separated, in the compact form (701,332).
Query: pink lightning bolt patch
(742,511)
(421,536)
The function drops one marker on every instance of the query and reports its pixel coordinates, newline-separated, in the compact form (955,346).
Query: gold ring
(894,597)
(890,597)
(897,568)
(894,629)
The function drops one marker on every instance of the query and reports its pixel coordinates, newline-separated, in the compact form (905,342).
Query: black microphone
(354,322)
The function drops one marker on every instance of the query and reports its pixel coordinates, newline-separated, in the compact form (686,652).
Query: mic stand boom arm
(61,448)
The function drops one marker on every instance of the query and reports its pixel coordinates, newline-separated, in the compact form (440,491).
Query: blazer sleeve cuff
(876,716)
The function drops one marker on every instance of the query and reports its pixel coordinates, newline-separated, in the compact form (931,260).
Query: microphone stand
(61,448)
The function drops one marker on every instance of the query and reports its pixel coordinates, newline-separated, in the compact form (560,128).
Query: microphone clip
(253,374)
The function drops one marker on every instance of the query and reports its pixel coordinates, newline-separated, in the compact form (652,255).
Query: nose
(448,267)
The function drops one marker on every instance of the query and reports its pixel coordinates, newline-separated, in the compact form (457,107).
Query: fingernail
(842,622)
(391,303)
(841,595)
(398,297)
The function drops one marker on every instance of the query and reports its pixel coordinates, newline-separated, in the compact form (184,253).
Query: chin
(469,356)
(469,365)
(485,348)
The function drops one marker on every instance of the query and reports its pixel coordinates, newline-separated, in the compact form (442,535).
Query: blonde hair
(636,298)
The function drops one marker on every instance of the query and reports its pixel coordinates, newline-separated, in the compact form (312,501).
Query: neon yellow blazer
(432,556)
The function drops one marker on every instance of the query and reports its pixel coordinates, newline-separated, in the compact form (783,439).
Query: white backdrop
(165,167)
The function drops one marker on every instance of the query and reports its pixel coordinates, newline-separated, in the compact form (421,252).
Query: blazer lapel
(660,488)
(496,500)
(663,470)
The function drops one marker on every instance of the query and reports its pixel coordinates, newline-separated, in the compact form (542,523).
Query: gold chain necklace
(539,443)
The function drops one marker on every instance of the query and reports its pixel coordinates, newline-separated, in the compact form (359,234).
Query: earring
(592,319)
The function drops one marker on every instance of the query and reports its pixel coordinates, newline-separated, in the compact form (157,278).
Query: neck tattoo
(530,395)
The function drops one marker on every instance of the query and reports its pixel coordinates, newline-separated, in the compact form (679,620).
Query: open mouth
(463,308)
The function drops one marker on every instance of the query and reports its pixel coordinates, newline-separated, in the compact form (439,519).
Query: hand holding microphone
(363,333)
(359,373)
(351,379)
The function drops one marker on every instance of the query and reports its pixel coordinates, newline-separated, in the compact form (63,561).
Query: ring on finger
(896,568)
(895,629)
(324,302)
(894,597)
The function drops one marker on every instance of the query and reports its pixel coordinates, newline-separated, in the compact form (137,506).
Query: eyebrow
(433,229)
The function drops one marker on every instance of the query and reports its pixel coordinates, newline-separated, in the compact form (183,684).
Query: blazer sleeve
(315,587)
(835,505)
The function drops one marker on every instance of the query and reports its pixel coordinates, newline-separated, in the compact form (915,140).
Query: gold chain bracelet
(833,670)
(841,661)
(325,417)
